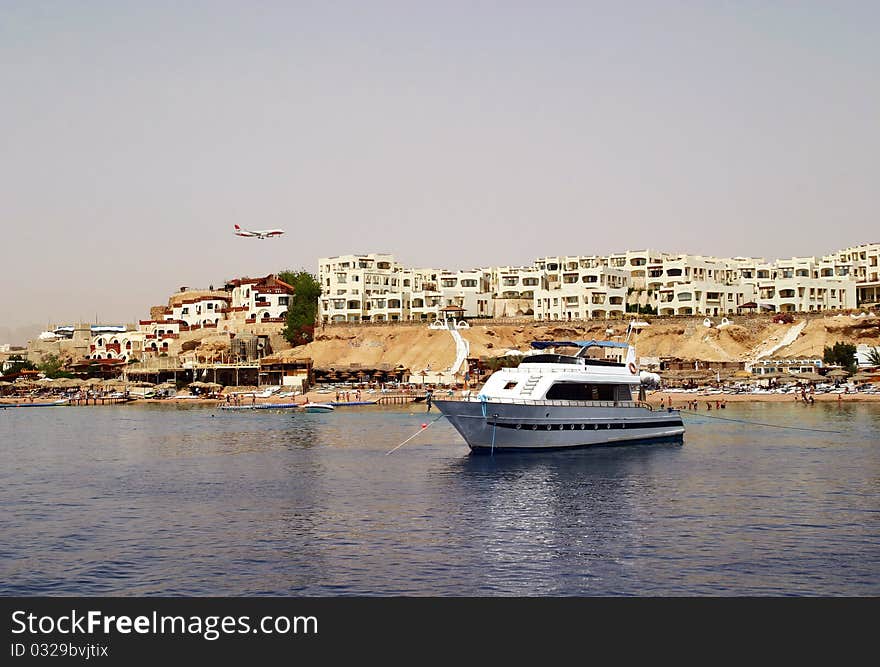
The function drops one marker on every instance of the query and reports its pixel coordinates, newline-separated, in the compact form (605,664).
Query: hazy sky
(452,134)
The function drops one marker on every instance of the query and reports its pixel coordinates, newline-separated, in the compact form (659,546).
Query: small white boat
(318,407)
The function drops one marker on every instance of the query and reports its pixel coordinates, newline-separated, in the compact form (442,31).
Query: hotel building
(375,287)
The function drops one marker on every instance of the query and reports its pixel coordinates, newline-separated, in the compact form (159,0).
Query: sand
(416,346)
(678,399)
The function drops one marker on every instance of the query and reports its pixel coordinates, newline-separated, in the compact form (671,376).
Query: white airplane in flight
(258,233)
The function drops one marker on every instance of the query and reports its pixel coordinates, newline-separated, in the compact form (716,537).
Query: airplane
(258,233)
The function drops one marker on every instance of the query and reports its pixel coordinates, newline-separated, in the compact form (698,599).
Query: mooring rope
(744,421)
(423,428)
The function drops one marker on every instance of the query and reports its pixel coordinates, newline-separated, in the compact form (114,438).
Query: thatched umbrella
(838,373)
(204,385)
(810,377)
(866,377)
(774,375)
(61,383)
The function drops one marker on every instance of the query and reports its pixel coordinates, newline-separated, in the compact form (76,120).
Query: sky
(134,135)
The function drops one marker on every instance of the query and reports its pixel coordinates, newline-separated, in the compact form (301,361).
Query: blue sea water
(158,500)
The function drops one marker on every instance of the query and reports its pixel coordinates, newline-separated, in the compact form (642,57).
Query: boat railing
(564,404)
(570,368)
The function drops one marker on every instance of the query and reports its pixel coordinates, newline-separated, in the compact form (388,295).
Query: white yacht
(559,401)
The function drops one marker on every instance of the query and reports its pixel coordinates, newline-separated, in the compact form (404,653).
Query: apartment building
(200,310)
(360,288)
(575,288)
(119,345)
(468,290)
(375,287)
(513,290)
(863,264)
(260,300)
(699,297)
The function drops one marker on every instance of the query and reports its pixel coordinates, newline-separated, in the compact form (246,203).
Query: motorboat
(559,401)
(318,407)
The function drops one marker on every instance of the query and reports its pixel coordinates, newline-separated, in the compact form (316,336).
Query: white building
(260,299)
(118,345)
(375,287)
(572,289)
(359,288)
(863,263)
(701,298)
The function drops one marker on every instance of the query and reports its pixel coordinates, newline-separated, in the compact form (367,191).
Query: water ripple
(144,500)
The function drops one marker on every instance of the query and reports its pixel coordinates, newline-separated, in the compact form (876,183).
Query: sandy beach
(675,399)
(679,399)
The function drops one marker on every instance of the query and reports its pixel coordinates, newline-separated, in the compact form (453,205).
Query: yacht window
(511,385)
(581,391)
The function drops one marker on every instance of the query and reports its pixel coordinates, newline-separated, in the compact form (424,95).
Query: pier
(99,400)
(400,399)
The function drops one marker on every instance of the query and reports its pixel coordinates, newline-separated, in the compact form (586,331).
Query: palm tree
(874,356)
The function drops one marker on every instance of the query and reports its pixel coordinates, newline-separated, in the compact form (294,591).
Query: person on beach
(428,399)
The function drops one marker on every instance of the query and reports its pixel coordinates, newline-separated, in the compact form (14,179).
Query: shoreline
(679,399)
(676,399)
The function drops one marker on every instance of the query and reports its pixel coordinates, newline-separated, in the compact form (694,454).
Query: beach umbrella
(811,377)
(866,377)
(60,383)
(838,373)
(775,375)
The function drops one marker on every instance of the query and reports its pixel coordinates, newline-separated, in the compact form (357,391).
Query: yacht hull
(503,426)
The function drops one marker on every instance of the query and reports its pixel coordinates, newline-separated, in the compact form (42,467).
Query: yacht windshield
(583,391)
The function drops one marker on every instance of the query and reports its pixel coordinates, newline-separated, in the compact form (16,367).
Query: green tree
(874,356)
(51,366)
(841,354)
(302,310)
(17,364)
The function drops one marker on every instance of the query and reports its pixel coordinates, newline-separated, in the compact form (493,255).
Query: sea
(148,500)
